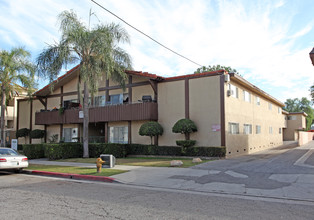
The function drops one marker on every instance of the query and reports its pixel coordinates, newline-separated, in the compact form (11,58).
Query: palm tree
(97,52)
(15,67)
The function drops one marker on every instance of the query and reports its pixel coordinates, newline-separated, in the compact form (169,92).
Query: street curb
(71,176)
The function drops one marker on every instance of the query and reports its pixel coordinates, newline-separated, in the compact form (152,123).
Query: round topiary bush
(23,132)
(37,134)
(151,129)
(184,126)
(186,143)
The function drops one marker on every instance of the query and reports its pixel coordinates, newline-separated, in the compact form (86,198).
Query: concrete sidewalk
(45,161)
(283,172)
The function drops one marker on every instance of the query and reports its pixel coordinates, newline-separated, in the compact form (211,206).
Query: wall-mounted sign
(216,127)
(81,114)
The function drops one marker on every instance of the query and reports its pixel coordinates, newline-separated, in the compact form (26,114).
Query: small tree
(151,129)
(23,132)
(184,126)
(37,134)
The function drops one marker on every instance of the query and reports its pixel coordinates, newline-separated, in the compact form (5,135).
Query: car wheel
(18,170)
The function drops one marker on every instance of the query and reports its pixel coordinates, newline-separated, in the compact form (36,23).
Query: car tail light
(3,160)
(24,159)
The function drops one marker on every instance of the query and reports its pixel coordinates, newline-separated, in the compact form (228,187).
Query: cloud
(263,39)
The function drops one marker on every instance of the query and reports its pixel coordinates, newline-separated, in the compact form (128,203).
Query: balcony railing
(123,112)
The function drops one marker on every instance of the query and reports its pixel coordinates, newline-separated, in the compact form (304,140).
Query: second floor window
(258,100)
(246,96)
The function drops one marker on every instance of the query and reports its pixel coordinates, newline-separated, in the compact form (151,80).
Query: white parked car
(11,160)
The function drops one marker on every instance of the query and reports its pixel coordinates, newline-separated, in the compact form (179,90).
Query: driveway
(284,172)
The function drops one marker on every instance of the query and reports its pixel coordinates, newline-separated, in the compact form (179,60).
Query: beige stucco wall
(71,86)
(52,130)
(205,109)
(136,138)
(239,111)
(139,91)
(291,132)
(53,102)
(171,102)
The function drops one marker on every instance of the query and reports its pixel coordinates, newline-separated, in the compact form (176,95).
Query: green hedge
(139,149)
(186,143)
(63,150)
(117,150)
(75,150)
(33,151)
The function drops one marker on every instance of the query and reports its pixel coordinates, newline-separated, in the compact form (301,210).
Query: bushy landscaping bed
(75,150)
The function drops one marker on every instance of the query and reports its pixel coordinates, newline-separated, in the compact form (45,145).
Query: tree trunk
(85,122)
(187,136)
(3,97)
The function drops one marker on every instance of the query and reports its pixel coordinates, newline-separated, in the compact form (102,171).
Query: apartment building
(228,111)
(11,114)
(295,122)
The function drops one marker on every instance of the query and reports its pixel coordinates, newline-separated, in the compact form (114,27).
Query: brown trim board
(31,119)
(222,111)
(187,98)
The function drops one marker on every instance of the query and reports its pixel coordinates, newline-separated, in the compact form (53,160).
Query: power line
(145,34)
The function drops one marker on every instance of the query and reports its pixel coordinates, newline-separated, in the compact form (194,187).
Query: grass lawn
(75,170)
(139,161)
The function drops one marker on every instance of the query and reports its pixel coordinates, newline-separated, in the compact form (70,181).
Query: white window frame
(280,130)
(270,106)
(234,128)
(247,129)
(118,134)
(234,91)
(258,100)
(258,129)
(270,130)
(246,96)
(279,110)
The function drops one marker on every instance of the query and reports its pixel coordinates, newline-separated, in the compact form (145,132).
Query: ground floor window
(233,128)
(118,135)
(247,129)
(70,134)
(258,129)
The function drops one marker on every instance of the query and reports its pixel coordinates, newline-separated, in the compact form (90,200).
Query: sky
(266,41)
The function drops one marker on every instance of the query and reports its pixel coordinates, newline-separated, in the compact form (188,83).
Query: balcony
(123,112)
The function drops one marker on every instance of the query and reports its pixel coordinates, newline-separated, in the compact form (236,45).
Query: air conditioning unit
(227,78)
(110,160)
(74,132)
(229,92)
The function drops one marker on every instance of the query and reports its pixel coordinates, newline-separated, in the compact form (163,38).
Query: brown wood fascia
(222,111)
(42,101)
(238,79)
(187,98)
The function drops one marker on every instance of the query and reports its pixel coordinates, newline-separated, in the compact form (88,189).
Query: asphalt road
(34,197)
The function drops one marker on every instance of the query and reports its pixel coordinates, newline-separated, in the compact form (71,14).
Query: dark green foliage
(63,150)
(23,132)
(301,105)
(151,129)
(33,151)
(186,143)
(138,149)
(204,151)
(184,126)
(215,68)
(117,150)
(37,134)
(75,150)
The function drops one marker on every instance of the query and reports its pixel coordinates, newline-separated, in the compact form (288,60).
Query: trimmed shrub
(186,143)
(205,151)
(23,132)
(184,126)
(33,151)
(151,129)
(63,150)
(117,150)
(37,134)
